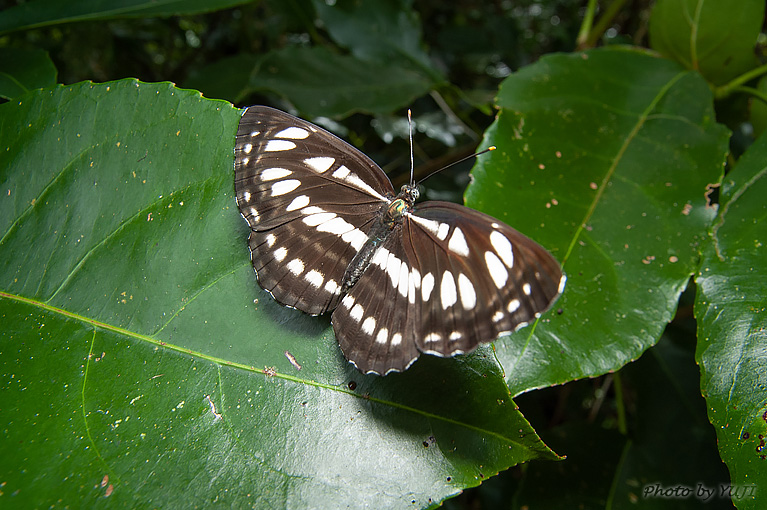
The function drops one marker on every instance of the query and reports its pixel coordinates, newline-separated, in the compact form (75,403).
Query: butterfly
(329,233)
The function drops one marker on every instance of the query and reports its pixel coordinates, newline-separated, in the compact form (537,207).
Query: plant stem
(736,84)
(604,22)
(758,94)
(588,22)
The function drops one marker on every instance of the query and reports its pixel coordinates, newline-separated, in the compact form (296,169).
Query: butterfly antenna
(491,148)
(410,132)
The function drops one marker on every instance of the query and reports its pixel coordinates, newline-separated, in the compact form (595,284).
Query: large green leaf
(731,310)
(715,38)
(40,13)
(604,158)
(142,366)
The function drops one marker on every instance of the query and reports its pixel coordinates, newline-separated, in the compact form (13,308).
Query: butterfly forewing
(309,199)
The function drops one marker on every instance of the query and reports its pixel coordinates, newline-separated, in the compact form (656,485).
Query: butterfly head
(409,193)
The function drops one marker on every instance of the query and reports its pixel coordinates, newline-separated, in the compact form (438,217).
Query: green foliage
(24,70)
(731,308)
(143,367)
(611,179)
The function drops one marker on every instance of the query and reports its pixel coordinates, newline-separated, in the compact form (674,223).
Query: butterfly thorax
(397,208)
(390,217)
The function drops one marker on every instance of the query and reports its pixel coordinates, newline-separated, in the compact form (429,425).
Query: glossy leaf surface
(715,38)
(142,366)
(604,158)
(731,310)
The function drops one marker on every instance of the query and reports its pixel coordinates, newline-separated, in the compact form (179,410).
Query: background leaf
(378,32)
(604,158)
(141,362)
(23,70)
(40,13)
(344,83)
(711,37)
(634,470)
(731,309)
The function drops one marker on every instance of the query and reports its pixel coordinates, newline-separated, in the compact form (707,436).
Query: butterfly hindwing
(309,199)
(375,324)
(480,278)
(447,279)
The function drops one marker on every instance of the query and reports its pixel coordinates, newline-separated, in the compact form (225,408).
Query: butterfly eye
(327,236)
(410,191)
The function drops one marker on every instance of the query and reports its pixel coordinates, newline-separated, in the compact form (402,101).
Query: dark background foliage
(650,420)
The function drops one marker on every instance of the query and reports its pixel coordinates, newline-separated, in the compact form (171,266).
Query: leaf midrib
(615,162)
(96,324)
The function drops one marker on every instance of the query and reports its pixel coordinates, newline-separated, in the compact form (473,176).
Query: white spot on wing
(392,267)
(357,312)
(280,253)
(369,326)
(455,335)
(447,291)
(444,228)
(513,305)
(319,164)
(396,339)
(380,257)
(341,173)
(270,240)
(403,280)
(358,183)
(248,147)
(414,282)
(316,219)
(356,238)
(347,301)
(296,266)
(427,285)
(332,287)
(432,337)
(296,133)
(502,247)
(497,271)
(430,225)
(278,145)
(467,292)
(282,187)
(299,202)
(312,210)
(382,336)
(497,316)
(315,278)
(337,226)
(270,174)
(246,196)
(457,243)
(526,289)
